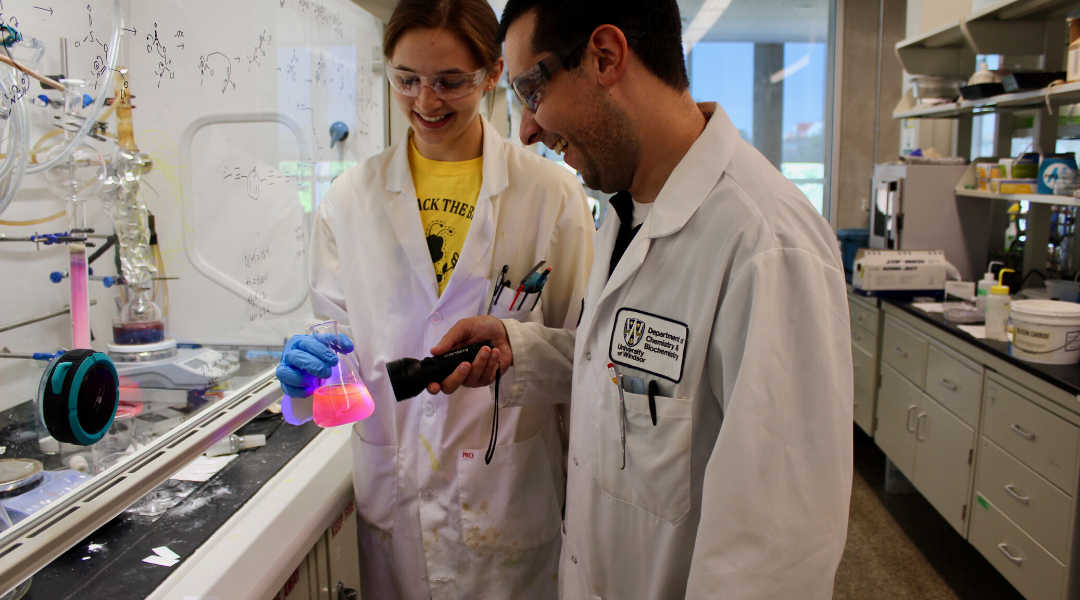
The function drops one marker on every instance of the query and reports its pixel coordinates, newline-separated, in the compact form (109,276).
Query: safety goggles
(448,86)
(531,85)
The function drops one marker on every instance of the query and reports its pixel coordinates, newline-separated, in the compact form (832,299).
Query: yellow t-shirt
(446,193)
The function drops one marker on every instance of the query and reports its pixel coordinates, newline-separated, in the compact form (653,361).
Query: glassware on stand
(341,398)
(141,320)
(76,180)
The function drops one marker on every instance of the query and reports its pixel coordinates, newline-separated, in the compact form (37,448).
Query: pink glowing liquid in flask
(342,398)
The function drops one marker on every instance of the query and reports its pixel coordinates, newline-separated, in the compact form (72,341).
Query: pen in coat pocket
(617,378)
(654,389)
(498,288)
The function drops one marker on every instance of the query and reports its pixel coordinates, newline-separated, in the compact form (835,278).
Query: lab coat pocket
(375,477)
(656,479)
(521,310)
(509,505)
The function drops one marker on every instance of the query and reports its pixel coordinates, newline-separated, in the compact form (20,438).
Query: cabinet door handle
(907,425)
(858,317)
(1020,432)
(855,336)
(1012,492)
(918,427)
(900,351)
(945,383)
(1005,550)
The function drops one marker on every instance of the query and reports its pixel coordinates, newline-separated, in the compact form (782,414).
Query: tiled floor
(900,548)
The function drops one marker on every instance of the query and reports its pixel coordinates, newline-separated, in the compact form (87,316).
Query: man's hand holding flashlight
(481,373)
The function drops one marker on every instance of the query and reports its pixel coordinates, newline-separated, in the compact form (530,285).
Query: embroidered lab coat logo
(632,331)
(650,343)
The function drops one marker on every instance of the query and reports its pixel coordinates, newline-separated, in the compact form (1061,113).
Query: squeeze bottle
(997,310)
(983,288)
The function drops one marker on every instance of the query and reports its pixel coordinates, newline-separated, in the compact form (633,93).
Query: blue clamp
(48,238)
(56,277)
(108,281)
(10,37)
(338,132)
(46,356)
(87,100)
(44,99)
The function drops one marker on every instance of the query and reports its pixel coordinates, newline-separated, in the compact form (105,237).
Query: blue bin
(850,242)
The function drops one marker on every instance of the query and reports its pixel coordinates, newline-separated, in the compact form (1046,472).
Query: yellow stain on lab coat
(431,453)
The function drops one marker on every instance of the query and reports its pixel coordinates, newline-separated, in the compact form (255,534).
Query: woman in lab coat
(407,244)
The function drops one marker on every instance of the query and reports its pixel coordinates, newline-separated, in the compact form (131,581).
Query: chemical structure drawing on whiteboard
(323,17)
(289,72)
(259,52)
(253,180)
(155,45)
(211,64)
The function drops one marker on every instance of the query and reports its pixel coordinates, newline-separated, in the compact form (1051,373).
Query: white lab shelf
(1010,27)
(1037,198)
(1057,95)
(968,179)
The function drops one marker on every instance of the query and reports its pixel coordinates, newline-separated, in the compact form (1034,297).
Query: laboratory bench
(179,515)
(992,442)
(277,521)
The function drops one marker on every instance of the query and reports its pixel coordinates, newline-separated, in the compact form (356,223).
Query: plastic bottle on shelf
(997,310)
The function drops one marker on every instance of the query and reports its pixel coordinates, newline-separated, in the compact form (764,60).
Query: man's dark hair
(561,23)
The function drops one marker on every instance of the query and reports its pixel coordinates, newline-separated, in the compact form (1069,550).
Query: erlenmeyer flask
(341,398)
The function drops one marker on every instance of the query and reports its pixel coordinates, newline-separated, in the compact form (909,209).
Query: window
(768,68)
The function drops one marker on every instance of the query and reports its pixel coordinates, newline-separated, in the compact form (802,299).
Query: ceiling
(765,21)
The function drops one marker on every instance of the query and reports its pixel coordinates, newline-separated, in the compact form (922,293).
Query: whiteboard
(245,92)
(233,102)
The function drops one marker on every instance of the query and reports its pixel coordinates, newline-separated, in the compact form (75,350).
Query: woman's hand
(481,373)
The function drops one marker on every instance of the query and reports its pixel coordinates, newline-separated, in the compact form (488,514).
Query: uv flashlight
(410,376)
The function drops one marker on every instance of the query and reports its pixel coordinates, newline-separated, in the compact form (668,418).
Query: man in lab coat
(723,467)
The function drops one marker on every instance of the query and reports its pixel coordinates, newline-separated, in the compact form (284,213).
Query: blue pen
(540,288)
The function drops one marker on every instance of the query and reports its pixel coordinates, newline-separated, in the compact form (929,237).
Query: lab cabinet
(993,445)
(865,347)
(905,350)
(927,443)
(945,450)
(1024,511)
(928,408)
(898,405)
(954,382)
(1042,440)
(331,570)
(1029,567)
(864,367)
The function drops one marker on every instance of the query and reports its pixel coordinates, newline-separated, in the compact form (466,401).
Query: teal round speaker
(78,396)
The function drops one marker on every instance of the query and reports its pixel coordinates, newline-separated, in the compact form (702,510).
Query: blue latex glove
(305,360)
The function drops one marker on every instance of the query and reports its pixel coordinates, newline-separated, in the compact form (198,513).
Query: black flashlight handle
(410,379)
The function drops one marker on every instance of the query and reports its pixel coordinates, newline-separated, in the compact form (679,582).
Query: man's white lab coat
(732,298)
(439,522)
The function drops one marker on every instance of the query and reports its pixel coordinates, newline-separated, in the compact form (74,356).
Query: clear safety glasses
(531,85)
(448,86)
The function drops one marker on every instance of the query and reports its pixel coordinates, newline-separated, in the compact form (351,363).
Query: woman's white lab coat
(439,522)
(732,298)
